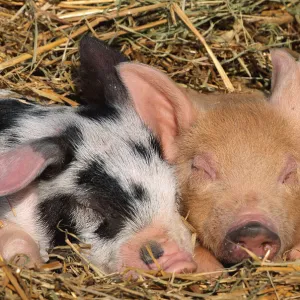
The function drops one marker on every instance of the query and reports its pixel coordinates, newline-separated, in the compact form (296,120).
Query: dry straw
(211,45)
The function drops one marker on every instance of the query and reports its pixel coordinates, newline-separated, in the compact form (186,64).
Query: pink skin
(174,258)
(17,246)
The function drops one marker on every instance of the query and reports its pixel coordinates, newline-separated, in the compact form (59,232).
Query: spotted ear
(159,102)
(21,166)
(286,83)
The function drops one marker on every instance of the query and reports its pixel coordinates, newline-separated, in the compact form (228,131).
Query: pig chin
(253,232)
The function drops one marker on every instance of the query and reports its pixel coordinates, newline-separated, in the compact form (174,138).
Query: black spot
(141,150)
(139,192)
(156,146)
(57,211)
(95,112)
(62,148)
(11,111)
(107,196)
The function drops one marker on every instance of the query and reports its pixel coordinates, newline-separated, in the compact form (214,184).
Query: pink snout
(255,236)
(167,256)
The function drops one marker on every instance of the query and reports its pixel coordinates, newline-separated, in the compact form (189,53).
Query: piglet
(237,161)
(96,171)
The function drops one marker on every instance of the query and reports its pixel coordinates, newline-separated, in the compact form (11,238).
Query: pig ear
(285,82)
(159,102)
(99,80)
(22,165)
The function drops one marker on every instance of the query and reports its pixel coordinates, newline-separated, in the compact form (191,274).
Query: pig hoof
(21,260)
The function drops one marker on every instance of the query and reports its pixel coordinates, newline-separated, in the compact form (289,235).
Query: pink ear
(19,167)
(285,83)
(159,102)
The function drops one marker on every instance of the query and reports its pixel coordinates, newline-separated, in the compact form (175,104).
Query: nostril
(268,246)
(155,249)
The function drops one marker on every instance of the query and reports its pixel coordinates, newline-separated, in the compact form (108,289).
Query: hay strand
(190,25)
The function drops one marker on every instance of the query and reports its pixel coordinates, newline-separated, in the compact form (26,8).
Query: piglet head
(238,169)
(244,191)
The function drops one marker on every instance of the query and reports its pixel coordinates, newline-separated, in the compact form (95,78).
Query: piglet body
(95,171)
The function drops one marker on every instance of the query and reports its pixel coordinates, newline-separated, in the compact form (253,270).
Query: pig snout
(258,237)
(168,257)
(154,249)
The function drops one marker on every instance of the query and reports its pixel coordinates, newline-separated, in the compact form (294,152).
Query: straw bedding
(209,46)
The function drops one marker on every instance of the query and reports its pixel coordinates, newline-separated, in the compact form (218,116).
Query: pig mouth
(254,236)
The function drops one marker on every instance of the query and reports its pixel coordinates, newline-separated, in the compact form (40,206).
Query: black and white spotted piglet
(96,170)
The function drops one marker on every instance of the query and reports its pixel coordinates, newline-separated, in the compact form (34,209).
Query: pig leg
(205,261)
(14,241)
